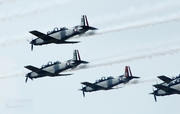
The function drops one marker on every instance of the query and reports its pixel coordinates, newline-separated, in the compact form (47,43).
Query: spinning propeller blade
(31,46)
(154,95)
(82,91)
(26,79)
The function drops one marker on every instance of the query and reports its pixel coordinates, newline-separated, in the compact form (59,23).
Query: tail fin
(76,55)
(84,21)
(127,71)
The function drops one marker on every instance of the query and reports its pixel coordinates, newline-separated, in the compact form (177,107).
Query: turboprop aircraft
(169,86)
(109,82)
(60,36)
(53,69)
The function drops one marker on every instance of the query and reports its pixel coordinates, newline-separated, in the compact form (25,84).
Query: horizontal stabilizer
(60,75)
(85,62)
(92,28)
(89,28)
(67,42)
(134,77)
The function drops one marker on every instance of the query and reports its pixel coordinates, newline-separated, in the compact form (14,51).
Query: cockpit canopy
(56,29)
(99,80)
(110,77)
(104,78)
(50,63)
(177,80)
(176,77)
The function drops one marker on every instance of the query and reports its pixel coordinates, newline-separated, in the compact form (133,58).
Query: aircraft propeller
(82,91)
(27,76)
(26,79)
(31,44)
(154,95)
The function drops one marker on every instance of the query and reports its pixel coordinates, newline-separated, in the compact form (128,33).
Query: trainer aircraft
(60,35)
(53,69)
(109,82)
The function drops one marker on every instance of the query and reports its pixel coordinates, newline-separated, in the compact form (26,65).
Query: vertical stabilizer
(84,21)
(87,24)
(127,71)
(76,55)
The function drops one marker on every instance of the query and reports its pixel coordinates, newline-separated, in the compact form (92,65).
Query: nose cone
(28,74)
(154,93)
(32,42)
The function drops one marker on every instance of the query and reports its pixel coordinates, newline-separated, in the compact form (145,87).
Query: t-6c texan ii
(60,35)
(53,69)
(170,86)
(109,82)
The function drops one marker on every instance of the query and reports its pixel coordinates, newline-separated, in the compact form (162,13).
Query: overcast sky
(141,34)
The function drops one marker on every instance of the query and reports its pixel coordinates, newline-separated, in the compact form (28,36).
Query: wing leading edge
(94,86)
(165,78)
(40,71)
(49,38)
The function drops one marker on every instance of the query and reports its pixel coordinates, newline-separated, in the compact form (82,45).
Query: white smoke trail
(3,1)
(140,81)
(136,56)
(12,75)
(134,12)
(37,9)
(152,21)
(13,40)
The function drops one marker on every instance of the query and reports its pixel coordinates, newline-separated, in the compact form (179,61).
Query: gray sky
(142,34)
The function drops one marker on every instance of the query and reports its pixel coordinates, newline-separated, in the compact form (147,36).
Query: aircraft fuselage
(60,35)
(109,83)
(55,68)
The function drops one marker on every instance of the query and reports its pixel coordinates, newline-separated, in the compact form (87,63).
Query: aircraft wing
(167,89)
(43,36)
(38,71)
(93,85)
(165,78)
